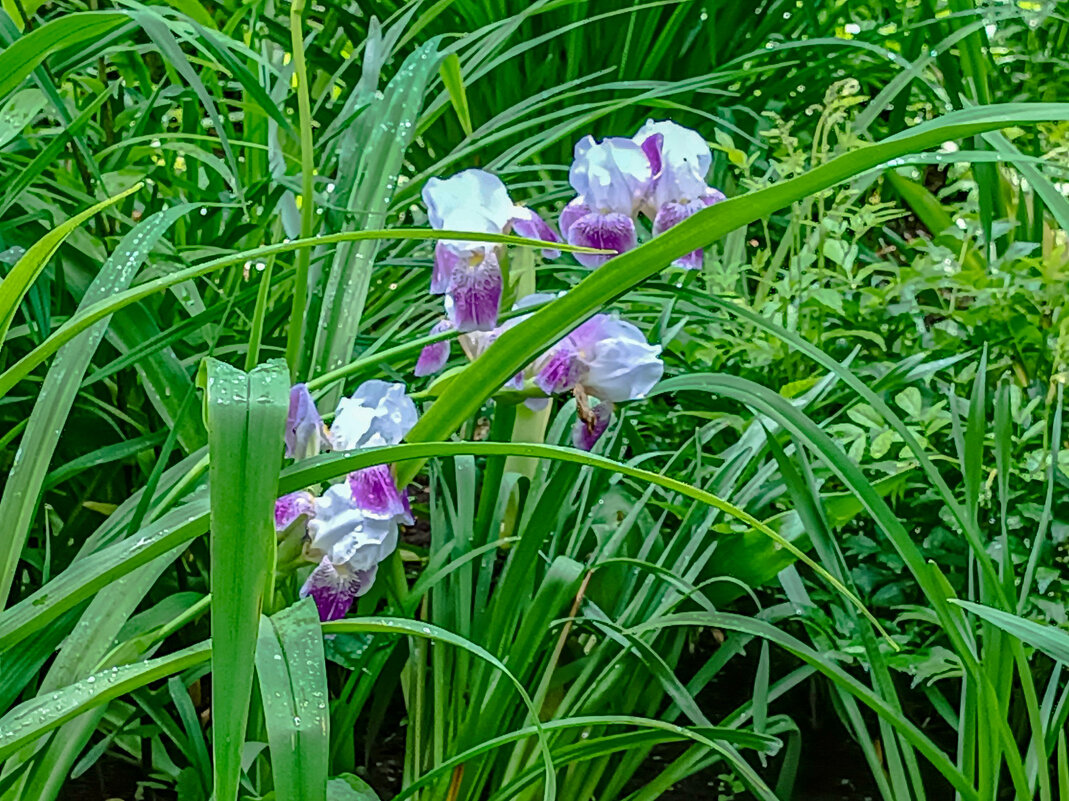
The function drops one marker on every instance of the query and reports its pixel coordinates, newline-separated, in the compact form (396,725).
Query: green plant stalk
(256,334)
(529,426)
(187,523)
(295,334)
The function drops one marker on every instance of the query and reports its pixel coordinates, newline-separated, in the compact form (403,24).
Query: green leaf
(29,51)
(292,673)
(348,787)
(19,111)
(245,415)
(18,282)
(371,156)
(57,394)
(454,85)
(35,718)
(1052,641)
(516,347)
(415,628)
(178,527)
(84,319)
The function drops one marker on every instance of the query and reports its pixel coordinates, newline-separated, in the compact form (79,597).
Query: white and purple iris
(604,358)
(679,160)
(660,172)
(469,273)
(610,179)
(354,525)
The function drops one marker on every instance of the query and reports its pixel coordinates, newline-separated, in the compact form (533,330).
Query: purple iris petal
(434,356)
(475,295)
(446,259)
(289,507)
(572,212)
(713,196)
(558,374)
(304,427)
(613,231)
(530,225)
(334,589)
(375,492)
(671,214)
(651,146)
(586,435)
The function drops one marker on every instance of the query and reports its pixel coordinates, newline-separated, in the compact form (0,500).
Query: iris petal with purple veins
(530,225)
(613,231)
(342,531)
(335,588)
(290,507)
(474,296)
(446,259)
(585,434)
(651,146)
(575,210)
(434,356)
(304,427)
(680,158)
(610,358)
(671,214)
(375,492)
(622,365)
(559,372)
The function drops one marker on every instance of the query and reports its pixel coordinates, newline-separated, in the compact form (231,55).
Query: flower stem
(295,334)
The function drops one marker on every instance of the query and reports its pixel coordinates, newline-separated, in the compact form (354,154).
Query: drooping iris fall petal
(474,296)
(585,434)
(529,224)
(335,587)
(344,532)
(612,231)
(375,491)
(290,507)
(434,356)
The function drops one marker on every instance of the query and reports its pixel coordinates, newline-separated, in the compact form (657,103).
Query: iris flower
(610,178)
(679,160)
(469,273)
(354,525)
(348,544)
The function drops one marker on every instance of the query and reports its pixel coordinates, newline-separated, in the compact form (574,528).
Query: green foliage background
(867,372)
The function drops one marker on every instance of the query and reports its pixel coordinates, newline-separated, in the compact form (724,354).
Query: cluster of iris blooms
(660,173)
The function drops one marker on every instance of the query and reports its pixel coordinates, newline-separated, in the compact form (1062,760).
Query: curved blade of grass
(190,521)
(246,414)
(415,628)
(83,319)
(29,51)
(1052,641)
(515,348)
(371,157)
(292,672)
(702,735)
(833,672)
(18,282)
(56,396)
(34,718)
